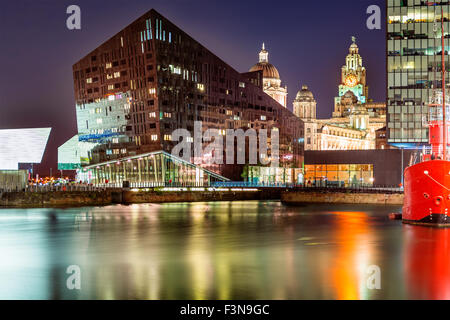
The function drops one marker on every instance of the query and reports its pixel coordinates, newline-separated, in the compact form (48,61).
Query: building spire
(354,47)
(263,54)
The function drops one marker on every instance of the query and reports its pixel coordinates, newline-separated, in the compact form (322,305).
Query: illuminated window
(157,27)
(89,80)
(152,114)
(109,76)
(108,65)
(116,74)
(154,137)
(152,91)
(200,86)
(123,151)
(167,137)
(176,70)
(229,112)
(263,118)
(242,84)
(167,115)
(115,140)
(111,87)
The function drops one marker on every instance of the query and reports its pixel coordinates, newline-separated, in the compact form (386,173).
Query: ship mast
(444,120)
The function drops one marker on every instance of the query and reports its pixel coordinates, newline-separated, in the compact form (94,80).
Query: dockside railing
(238,184)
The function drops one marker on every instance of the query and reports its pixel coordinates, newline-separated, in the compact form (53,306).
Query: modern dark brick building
(151,78)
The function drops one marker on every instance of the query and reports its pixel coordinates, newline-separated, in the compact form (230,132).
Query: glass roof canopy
(148,170)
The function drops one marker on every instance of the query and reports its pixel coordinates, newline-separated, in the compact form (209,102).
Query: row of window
(416,3)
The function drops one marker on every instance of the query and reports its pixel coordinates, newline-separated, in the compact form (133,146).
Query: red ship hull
(427,194)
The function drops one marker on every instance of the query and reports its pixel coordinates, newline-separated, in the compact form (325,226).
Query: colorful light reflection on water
(220,250)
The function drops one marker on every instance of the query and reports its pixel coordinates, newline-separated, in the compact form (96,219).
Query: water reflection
(352,256)
(220,250)
(427,262)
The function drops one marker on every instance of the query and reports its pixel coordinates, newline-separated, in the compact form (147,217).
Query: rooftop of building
(304,94)
(268,69)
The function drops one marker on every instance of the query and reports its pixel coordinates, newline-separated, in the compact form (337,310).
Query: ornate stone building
(271,78)
(355,119)
(305,105)
(353,79)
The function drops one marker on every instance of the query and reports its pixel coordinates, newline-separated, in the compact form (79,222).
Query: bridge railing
(241,184)
(63,188)
(352,188)
(357,188)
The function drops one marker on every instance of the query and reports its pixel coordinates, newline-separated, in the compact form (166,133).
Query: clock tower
(353,79)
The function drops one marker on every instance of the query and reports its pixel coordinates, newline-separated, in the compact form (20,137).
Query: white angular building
(22,146)
(19,147)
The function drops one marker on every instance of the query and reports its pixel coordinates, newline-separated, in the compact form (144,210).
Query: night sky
(307,41)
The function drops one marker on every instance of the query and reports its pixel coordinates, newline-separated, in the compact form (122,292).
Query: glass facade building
(383,167)
(272,176)
(413,65)
(148,170)
(150,79)
(342,175)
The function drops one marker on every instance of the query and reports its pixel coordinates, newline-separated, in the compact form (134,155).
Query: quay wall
(107,197)
(302,197)
(161,197)
(55,199)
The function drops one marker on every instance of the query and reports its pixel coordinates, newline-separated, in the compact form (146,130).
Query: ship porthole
(426,195)
(438,201)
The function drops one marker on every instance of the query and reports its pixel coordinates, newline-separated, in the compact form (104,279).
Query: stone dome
(304,94)
(269,70)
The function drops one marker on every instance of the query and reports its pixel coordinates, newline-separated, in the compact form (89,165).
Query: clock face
(351,81)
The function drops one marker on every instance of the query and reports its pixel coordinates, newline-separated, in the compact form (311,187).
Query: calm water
(221,250)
